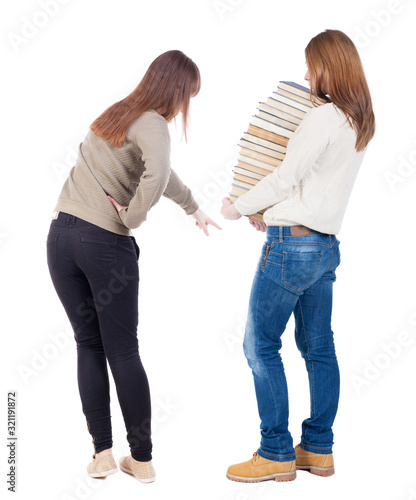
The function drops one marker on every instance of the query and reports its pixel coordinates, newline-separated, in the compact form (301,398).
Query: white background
(57,78)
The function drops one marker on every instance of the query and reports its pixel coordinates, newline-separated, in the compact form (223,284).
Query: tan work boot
(102,466)
(260,469)
(142,471)
(315,463)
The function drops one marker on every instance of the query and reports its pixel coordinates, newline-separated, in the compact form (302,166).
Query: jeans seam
(255,322)
(311,243)
(314,447)
(275,263)
(256,316)
(313,368)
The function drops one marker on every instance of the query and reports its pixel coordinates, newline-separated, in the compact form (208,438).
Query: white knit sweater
(313,184)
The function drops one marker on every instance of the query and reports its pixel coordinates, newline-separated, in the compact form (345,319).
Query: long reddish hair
(337,75)
(169,83)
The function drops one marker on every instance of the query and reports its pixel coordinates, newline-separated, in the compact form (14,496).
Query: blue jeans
(294,274)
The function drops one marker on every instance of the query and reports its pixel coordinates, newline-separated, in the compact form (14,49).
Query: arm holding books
(304,148)
(229,211)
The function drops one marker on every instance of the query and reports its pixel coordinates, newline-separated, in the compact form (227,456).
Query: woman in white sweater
(306,197)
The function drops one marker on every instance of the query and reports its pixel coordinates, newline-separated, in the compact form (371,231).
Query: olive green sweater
(136,174)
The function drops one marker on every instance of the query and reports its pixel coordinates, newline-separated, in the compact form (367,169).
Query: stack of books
(263,146)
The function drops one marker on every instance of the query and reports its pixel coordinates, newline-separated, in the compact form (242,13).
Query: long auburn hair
(169,83)
(337,75)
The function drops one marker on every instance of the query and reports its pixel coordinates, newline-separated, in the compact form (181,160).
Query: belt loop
(280,234)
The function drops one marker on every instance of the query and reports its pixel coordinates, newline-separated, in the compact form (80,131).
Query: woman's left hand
(117,206)
(202,221)
(228,210)
(259,225)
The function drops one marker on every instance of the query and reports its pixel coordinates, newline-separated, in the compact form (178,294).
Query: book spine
(290,110)
(264,143)
(290,102)
(263,146)
(269,136)
(269,160)
(271,127)
(261,149)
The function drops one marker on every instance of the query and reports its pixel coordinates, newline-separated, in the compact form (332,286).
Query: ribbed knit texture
(136,175)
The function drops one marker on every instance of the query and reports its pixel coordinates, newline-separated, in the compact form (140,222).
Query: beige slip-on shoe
(261,469)
(102,466)
(315,463)
(142,471)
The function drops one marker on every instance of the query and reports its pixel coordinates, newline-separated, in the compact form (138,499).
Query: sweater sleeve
(178,192)
(153,138)
(304,148)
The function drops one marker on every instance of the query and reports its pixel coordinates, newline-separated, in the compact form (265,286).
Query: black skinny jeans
(96,276)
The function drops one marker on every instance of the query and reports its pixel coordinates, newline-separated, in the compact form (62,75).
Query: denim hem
(315,449)
(282,457)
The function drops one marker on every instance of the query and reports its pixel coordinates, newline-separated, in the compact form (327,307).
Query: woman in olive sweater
(121,172)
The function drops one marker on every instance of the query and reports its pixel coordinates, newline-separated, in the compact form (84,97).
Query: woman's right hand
(259,225)
(202,220)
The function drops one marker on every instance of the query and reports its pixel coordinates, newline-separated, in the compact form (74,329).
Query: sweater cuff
(244,210)
(191,208)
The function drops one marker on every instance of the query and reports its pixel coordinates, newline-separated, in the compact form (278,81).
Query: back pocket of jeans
(100,252)
(300,269)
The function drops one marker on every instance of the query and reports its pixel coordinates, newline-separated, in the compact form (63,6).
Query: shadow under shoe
(315,463)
